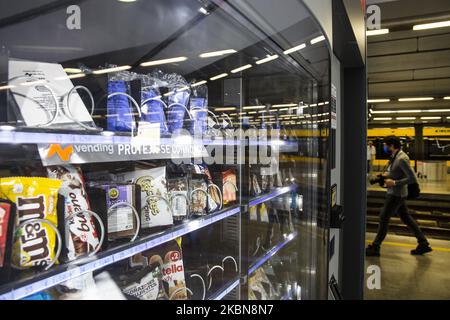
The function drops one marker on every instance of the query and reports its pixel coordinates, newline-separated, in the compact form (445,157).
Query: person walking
(399,175)
(371,155)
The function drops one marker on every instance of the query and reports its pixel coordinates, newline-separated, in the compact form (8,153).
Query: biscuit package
(35,198)
(80,231)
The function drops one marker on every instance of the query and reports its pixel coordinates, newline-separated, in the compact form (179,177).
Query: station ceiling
(406,63)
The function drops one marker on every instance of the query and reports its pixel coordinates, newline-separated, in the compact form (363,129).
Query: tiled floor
(407,277)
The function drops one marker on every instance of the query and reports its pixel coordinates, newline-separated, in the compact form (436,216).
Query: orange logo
(64,154)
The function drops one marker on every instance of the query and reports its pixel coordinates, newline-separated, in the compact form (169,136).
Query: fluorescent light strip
(377,32)
(378,100)
(163,61)
(382,119)
(217,53)
(219,76)
(294,49)
(446,98)
(415,99)
(72,70)
(406,118)
(225,109)
(198,83)
(269,58)
(284,105)
(430,118)
(317,40)
(438,110)
(254,107)
(433,25)
(109,70)
(247,66)
(408,111)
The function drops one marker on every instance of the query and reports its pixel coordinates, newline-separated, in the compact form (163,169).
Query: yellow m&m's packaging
(35,198)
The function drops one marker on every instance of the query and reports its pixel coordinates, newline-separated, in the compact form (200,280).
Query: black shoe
(421,249)
(372,251)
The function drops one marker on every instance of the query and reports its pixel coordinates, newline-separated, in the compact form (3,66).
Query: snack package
(80,231)
(199,198)
(229,186)
(145,284)
(35,198)
(7,215)
(121,221)
(169,259)
(155,212)
(178,191)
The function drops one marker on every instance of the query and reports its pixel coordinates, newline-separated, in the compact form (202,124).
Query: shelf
(45,280)
(269,254)
(275,193)
(225,290)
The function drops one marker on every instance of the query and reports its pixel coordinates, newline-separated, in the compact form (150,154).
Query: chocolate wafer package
(80,231)
(7,216)
(35,198)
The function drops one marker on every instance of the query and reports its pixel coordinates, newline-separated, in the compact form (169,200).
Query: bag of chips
(35,198)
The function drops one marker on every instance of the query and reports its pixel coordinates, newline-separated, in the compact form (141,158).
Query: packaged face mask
(153,109)
(199,112)
(35,198)
(119,107)
(154,209)
(81,236)
(177,103)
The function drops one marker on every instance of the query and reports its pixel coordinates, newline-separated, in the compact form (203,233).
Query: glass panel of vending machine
(163,150)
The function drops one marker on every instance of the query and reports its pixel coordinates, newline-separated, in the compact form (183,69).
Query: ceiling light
(269,58)
(438,110)
(406,118)
(198,83)
(247,66)
(296,48)
(377,32)
(382,119)
(127,0)
(253,107)
(109,70)
(378,100)
(217,53)
(415,99)
(430,118)
(408,111)
(433,25)
(219,76)
(446,98)
(72,70)
(163,61)
(317,40)
(284,105)
(382,111)
(313,105)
